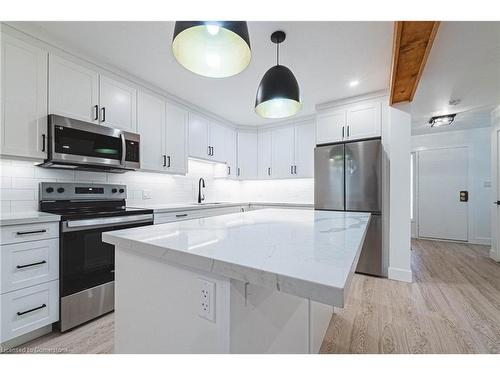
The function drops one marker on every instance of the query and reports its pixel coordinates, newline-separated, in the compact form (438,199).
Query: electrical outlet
(206,299)
(146,194)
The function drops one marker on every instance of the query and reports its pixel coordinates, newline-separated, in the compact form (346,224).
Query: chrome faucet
(201,184)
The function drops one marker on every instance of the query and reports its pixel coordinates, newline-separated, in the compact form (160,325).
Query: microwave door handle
(124,149)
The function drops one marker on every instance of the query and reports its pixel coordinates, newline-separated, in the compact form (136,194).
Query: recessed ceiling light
(444,120)
(353,83)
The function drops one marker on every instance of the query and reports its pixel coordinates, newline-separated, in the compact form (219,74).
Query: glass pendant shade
(212,49)
(278,95)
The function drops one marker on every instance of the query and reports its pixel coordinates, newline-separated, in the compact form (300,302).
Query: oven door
(77,142)
(85,260)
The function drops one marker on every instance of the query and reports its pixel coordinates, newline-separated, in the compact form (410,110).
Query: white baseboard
(400,274)
(494,255)
(481,241)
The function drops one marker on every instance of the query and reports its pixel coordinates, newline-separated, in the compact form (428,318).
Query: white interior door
(442,175)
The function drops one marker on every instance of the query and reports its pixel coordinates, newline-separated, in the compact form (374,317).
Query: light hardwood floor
(453,306)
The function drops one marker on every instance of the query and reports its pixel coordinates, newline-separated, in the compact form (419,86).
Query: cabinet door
(330,127)
(151,127)
(283,152)
(73,90)
(230,145)
(118,104)
(364,121)
(217,138)
(198,136)
(264,156)
(24,99)
(176,139)
(304,150)
(247,155)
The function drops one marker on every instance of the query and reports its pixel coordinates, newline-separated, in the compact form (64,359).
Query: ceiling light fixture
(278,95)
(353,83)
(214,49)
(444,120)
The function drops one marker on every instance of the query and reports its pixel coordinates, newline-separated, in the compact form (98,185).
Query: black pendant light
(278,95)
(212,48)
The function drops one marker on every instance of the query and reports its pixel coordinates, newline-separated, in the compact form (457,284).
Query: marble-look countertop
(29,217)
(173,207)
(307,253)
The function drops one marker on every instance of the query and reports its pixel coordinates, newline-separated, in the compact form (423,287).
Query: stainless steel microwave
(75,144)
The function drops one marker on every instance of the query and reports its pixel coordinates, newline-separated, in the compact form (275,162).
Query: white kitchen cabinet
(230,145)
(23,99)
(118,102)
(330,126)
(349,122)
(151,126)
(304,150)
(247,155)
(176,139)
(217,137)
(198,136)
(283,152)
(73,90)
(364,121)
(264,154)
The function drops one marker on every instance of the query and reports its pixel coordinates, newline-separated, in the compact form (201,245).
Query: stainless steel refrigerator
(348,177)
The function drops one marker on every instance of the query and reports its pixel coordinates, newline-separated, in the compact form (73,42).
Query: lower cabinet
(168,217)
(28,309)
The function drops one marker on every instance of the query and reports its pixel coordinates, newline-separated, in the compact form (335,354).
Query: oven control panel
(81,191)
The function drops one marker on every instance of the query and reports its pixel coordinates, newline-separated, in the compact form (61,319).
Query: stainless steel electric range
(87,264)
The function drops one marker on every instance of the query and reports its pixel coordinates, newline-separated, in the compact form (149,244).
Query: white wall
(20,180)
(478,145)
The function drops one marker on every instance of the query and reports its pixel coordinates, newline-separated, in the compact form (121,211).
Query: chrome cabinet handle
(96,112)
(43,142)
(291,169)
(168,161)
(342,131)
(31,264)
(164,160)
(31,310)
(269,171)
(294,169)
(238,173)
(103,114)
(348,131)
(228,170)
(181,215)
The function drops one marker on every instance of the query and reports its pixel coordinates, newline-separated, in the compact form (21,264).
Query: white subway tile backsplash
(23,206)
(17,194)
(5,182)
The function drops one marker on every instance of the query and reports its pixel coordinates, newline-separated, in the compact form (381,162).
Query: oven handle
(73,225)
(124,149)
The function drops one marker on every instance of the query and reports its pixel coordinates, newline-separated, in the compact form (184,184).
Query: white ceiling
(464,64)
(324,56)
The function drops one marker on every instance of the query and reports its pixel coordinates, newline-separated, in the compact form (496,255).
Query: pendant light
(212,48)
(278,95)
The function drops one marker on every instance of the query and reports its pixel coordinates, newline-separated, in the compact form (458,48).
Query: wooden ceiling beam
(412,43)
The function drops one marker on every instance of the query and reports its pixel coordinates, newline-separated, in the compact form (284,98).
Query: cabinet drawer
(169,217)
(28,232)
(28,263)
(28,309)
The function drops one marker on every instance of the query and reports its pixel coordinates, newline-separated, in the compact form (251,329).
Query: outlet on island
(146,194)
(206,299)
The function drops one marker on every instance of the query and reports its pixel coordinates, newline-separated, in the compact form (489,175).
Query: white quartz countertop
(30,217)
(173,207)
(307,253)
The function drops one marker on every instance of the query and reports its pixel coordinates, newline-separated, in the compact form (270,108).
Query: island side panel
(320,316)
(156,308)
(264,320)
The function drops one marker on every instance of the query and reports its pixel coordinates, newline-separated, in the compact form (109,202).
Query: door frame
(495,184)
(416,151)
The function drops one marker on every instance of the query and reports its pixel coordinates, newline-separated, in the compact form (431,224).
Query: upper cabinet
(264,157)
(23,120)
(305,141)
(163,129)
(118,104)
(349,122)
(73,90)
(176,144)
(230,146)
(81,93)
(283,152)
(247,155)
(198,136)
(217,138)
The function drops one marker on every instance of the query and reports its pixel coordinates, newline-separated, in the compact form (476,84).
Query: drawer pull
(181,215)
(31,232)
(31,310)
(31,264)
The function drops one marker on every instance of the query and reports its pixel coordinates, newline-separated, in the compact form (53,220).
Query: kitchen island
(262,281)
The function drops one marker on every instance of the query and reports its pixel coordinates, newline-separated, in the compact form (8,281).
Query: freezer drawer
(370,260)
(363,176)
(329,177)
